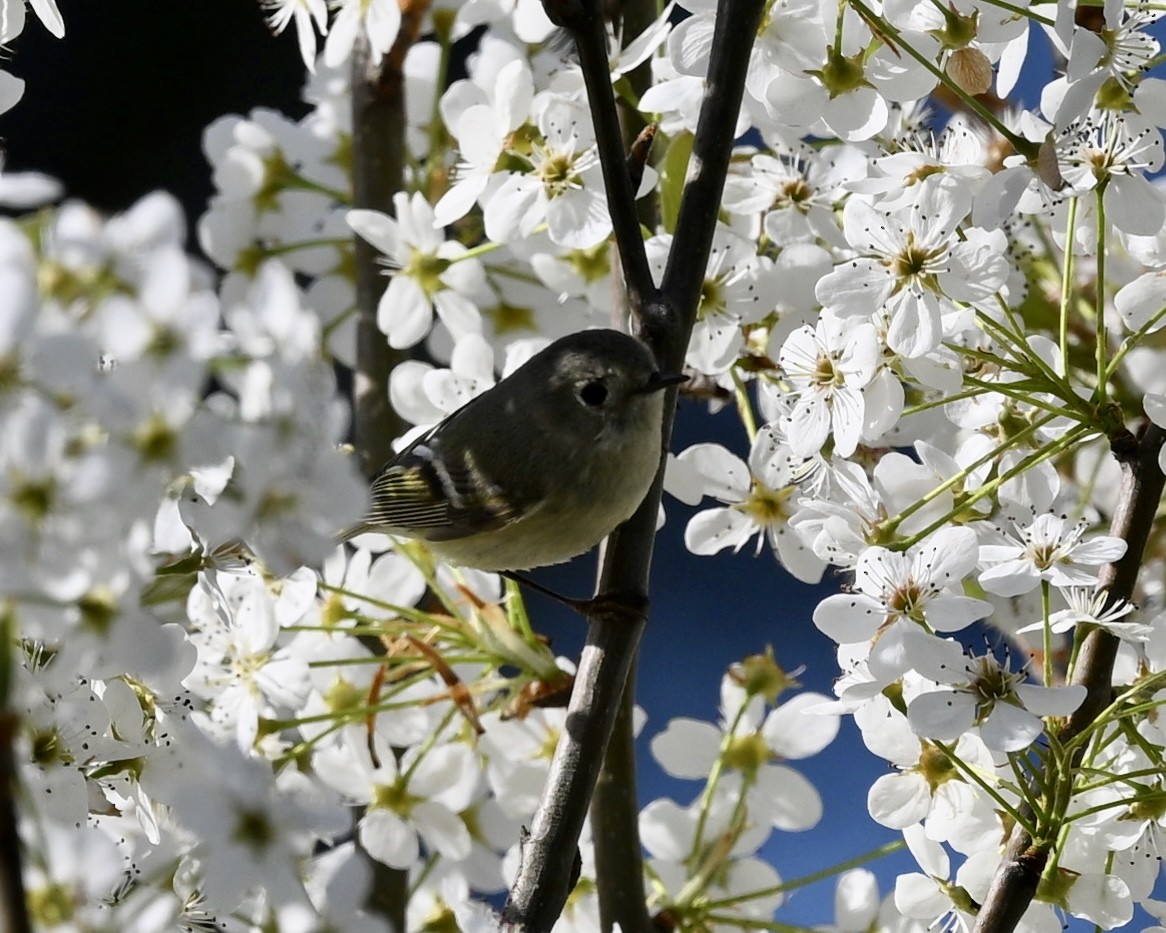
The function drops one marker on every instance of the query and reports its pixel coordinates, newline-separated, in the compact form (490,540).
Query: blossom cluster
(929,336)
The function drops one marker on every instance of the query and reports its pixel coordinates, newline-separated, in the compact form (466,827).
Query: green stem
(1079,635)
(1022,354)
(1023,146)
(1021,11)
(1026,779)
(1046,631)
(1129,778)
(1068,439)
(975,778)
(729,921)
(1102,338)
(1133,340)
(407,613)
(1117,706)
(1067,280)
(1024,396)
(427,746)
(438,136)
(802,881)
(944,400)
(891,524)
(284,248)
(744,407)
(485,248)
(298,182)
(711,785)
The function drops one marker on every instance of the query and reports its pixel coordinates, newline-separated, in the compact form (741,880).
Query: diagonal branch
(545,875)
(1018,874)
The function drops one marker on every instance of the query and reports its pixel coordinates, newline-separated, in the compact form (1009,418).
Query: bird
(538,469)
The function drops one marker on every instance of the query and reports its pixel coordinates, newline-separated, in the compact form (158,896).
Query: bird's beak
(659,381)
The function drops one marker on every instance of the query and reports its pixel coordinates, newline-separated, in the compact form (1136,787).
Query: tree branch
(615,810)
(615,826)
(548,869)
(378,172)
(13,909)
(616,625)
(1018,875)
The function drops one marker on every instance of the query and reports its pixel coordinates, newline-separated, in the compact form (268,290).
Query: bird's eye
(593,393)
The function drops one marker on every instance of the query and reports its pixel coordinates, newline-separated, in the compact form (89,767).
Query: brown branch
(1019,873)
(13,908)
(615,827)
(615,810)
(546,870)
(378,172)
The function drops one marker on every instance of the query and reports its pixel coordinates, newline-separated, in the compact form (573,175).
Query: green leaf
(673,171)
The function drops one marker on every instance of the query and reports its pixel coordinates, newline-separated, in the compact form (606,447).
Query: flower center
(767,507)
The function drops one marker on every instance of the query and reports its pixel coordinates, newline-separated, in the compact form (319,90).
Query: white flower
(253,831)
(429,274)
(379,20)
(1048,549)
(1155,407)
(934,896)
(240,668)
(482,120)
(920,586)
(758,496)
(856,902)
(985,693)
(81,873)
(739,288)
(1118,52)
(912,266)
(828,366)
(1117,150)
(1089,606)
(308,15)
(776,793)
(49,15)
(925,787)
(418,799)
(563,189)
(797,193)
(1141,302)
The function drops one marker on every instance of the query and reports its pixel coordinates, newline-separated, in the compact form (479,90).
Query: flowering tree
(939,336)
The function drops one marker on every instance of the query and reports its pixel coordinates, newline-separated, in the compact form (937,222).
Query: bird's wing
(438,498)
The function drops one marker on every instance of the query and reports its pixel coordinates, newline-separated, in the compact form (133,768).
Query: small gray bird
(538,469)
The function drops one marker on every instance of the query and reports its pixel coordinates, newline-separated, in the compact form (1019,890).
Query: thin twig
(1018,874)
(548,854)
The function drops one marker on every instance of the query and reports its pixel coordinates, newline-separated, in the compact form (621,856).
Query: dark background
(116,109)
